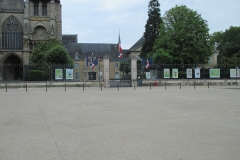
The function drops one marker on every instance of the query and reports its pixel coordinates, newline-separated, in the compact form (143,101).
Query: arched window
(44,9)
(12,34)
(36,9)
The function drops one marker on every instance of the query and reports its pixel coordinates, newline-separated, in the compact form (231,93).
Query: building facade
(23,24)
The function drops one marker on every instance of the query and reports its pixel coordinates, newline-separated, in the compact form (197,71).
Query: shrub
(36,75)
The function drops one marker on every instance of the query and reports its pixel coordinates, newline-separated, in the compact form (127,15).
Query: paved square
(141,124)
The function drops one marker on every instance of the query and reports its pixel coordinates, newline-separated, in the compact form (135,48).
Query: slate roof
(98,49)
(138,43)
(69,38)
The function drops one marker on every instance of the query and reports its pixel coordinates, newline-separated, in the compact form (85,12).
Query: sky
(101,21)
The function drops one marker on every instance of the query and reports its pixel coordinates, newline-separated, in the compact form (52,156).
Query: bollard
(65,87)
(46,87)
(83,86)
(6,87)
(208,85)
(150,86)
(134,87)
(194,85)
(165,86)
(118,86)
(26,87)
(180,85)
(101,86)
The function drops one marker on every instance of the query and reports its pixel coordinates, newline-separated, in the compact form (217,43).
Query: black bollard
(150,86)
(165,86)
(194,85)
(6,87)
(46,87)
(118,86)
(101,86)
(26,87)
(180,85)
(134,87)
(83,86)
(65,87)
(208,85)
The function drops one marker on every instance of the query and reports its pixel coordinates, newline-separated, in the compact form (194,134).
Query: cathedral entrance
(12,69)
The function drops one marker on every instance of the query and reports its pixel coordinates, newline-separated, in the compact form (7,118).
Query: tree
(40,51)
(151,28)
(230,42)
(228,45)
(184,36)
(125,67)
(58,55)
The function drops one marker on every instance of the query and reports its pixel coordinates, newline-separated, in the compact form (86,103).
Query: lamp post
(99,75)
(236,73)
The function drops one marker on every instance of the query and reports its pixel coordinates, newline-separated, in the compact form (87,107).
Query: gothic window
(44,9)
(12,34)
(36,9)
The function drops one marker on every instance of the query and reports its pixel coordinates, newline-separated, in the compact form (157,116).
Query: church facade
(23,24)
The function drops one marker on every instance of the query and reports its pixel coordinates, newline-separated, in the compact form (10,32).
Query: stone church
(23,24)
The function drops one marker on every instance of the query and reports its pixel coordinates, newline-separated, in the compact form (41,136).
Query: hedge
(36,75)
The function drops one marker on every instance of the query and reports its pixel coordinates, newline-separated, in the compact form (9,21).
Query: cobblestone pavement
(141,124)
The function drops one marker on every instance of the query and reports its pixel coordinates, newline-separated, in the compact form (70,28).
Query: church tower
(42,20)
(23,24)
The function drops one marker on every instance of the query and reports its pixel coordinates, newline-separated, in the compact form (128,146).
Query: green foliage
(39,52)
(36,75)
(151,28)
(58,55)
(125,67)
(183,36)
(228,44)
(161,57)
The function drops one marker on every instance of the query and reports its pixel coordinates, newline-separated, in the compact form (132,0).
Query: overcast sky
(99,21)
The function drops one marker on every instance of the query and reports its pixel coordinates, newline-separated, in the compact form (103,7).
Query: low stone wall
(49,84)
(186,82)
(160,82)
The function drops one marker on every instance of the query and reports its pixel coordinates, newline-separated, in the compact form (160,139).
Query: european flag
(143,62)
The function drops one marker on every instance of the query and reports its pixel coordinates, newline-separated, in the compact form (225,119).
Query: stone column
(106,72)
(134,70)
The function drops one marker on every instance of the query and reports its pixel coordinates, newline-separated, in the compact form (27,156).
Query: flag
(92,65)
(87,60)
(143,62)
(96,61)
(147,64)
(150,61)
(119,47)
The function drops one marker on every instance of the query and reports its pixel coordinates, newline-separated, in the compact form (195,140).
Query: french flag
(92,65)
(119,47)
(147,64)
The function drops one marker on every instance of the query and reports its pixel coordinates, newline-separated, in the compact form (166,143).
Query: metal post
(236,73)
(46,87)
(101,86)
(165,86)
(180,85)
(118,86)
(134,87)
(99,72)
(150,86)
(194,85)
(26,87)
(6,87)
(65,87)
(208,85)
(83,86)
